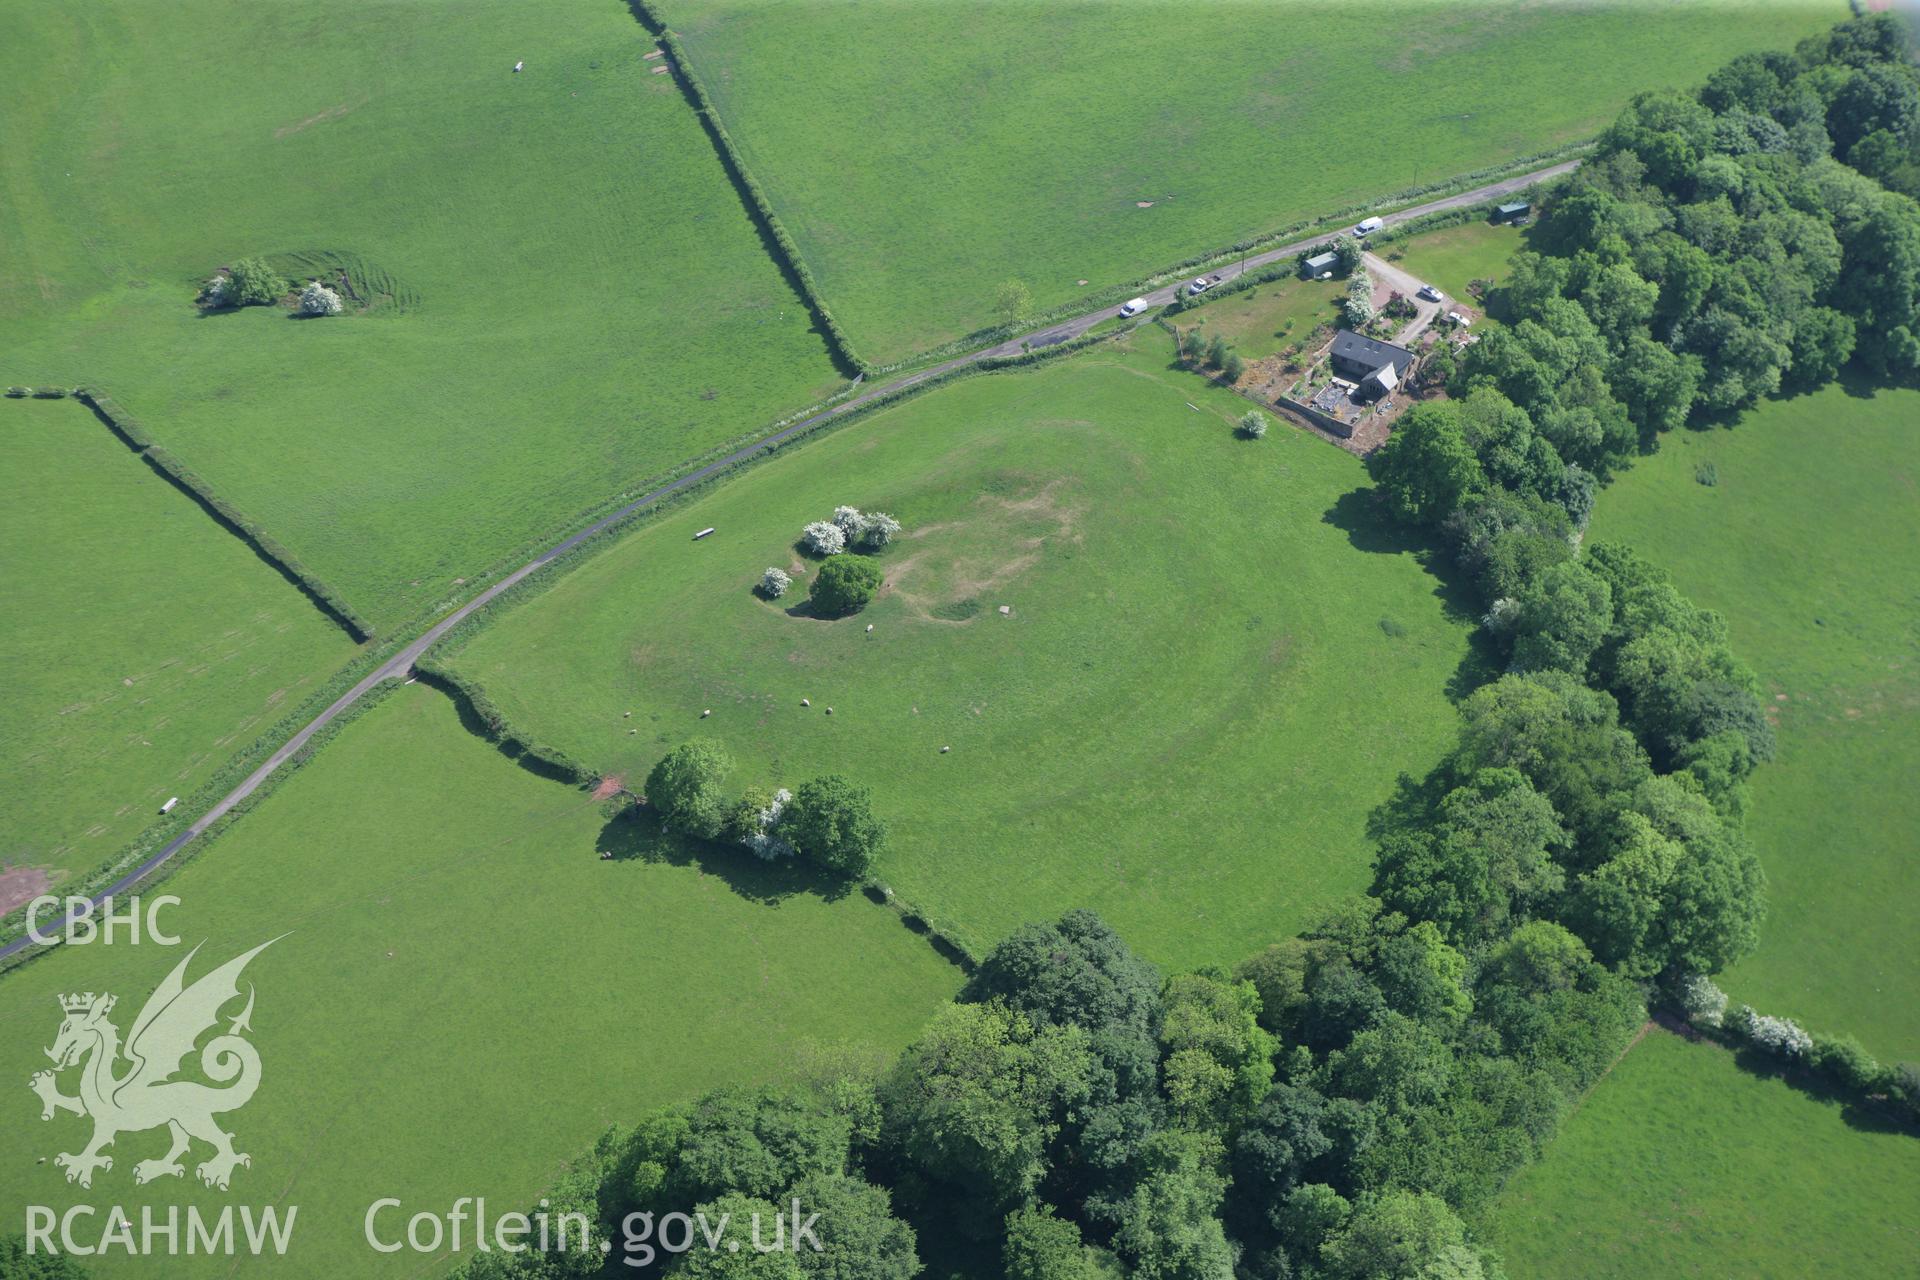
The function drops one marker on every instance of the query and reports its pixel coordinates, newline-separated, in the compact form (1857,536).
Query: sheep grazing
(944,750)
(518,65)
(805,702)
(869,628)
(829,710)
(706,713)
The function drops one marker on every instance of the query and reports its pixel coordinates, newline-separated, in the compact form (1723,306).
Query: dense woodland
(1344,1104)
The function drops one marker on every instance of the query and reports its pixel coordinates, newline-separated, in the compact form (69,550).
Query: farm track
(400,665)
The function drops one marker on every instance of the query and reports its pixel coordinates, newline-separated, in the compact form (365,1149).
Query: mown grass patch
(1454,257)
(143,643)
(467,993)
(922,154)
(565,297)
(1181,720)
(1807,542)
(1683,1163)
(1269,318)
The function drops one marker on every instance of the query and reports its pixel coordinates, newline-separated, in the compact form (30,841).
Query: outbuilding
(1512,211)
(1318,265)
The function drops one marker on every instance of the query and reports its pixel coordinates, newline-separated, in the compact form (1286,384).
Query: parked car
(1369,226)
(1430,294)
(1202,284)
(1133,308)
(1457,318)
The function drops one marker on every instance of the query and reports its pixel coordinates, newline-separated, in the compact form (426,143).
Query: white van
(1133,308)
(1369,226)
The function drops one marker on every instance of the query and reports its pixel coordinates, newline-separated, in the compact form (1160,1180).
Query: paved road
(1160,297)
(401,664)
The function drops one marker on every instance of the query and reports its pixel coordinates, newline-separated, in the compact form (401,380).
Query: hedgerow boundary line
(793,264)
(480,715)
(263,767)
(254,769)
(783,249)
(128,431)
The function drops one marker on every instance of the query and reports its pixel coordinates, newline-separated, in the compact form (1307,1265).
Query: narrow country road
(398,666)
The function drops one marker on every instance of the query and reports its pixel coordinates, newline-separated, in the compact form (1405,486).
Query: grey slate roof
(1351,347)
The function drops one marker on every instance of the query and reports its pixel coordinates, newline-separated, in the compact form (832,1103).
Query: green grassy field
(1807,544)
(466,995)
(143,644)
(1682,1163)
(1270,317)
(1216,661)
(1453,257)
(922,154)
(578,300)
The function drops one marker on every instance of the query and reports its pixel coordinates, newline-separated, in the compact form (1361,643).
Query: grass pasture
(465,996)
(921,154)
(143,644)
(1453,257)
(1683,1164)
(1267,318)
(1807,545)
(569,297)
(1216,661)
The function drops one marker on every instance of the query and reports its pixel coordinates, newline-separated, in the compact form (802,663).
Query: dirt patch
(1037,517)
(609,787)
(331,113)
(21,885)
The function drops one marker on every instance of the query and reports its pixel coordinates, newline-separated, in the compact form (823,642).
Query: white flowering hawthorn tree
(823,538)
(318,300)
(1781,1037)
(765,841)
(1704,1001)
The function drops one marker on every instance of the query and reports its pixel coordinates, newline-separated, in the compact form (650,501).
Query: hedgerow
(750,187)
(230,517)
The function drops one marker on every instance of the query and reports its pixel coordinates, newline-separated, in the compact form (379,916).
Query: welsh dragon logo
(145,1094)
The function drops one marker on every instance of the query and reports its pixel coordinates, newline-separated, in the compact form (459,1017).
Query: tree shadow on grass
(1363,516)
(1860,385)
(1856,1112)
(1481,664)
(636,834)
(512,748)
(1410,808)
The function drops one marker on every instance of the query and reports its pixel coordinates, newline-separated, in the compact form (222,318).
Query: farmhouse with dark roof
(1378,367)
